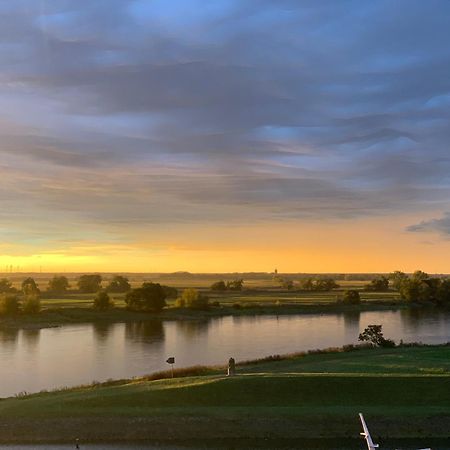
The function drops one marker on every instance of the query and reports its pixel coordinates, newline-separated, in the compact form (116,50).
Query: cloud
(441,226)
(134,114)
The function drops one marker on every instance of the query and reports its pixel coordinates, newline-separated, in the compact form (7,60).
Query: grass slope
(403,392)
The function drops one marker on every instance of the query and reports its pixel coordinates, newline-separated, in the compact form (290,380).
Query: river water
(32,360)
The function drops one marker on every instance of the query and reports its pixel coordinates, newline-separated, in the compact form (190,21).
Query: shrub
(235,285)
(9,305)
(380,284)
(191,298)
(219,286)
(318,284)
(32,304)
(29,287)
(102,301)
(6,286)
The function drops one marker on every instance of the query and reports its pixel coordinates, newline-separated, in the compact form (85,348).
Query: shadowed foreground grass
(403,392)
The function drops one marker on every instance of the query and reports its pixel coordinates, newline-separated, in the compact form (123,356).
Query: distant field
(251,281)
(227,299)
(257,291)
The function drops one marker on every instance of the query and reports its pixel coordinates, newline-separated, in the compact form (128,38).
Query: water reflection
(148,332)
(9,337)
(193,328)
(31,338)
(352,319)
(102,331)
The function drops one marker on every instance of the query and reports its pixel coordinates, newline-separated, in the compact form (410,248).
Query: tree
(420,289)
(29,287)
(150,297)
(9,305)
(6,286)
(102,301)
(119,284)
(374,335)
(191,298)
(58,284)
(219,286)
(89,284)
(351,297)
(170,292)
(235,285)
(397,278)
(380,284)
(444,292)
(419,275)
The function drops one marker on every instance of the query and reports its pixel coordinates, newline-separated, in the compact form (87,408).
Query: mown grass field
(403,392)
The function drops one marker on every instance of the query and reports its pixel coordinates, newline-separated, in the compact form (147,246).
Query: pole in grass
(171,361)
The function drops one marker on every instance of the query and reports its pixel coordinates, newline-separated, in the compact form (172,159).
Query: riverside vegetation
(118,298)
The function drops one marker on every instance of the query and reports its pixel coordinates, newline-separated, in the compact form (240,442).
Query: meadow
(403,392)
(261,294)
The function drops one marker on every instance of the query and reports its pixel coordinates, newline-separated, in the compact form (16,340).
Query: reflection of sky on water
(31,360)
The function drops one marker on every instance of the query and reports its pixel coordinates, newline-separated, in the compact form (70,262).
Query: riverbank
(54,317)
(403,392)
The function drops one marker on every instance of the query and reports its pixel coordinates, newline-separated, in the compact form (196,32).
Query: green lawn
(403,392)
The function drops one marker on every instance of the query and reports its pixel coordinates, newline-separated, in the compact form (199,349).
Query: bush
(219,286)
(235,285)
(191,298)
(380,284)
(150,297)
(318,284)
(351,297)
(102,301)
(32,305)
(6,286)
(9,305)
(29,287)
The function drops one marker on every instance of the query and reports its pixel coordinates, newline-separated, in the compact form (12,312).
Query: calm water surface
(32,360)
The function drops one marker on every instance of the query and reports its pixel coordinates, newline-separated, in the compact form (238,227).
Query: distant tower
(275,272)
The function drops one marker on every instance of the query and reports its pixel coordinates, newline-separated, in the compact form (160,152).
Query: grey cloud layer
(128,113)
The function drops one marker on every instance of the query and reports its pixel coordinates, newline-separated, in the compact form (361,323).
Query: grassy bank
(403,392)
(56,316)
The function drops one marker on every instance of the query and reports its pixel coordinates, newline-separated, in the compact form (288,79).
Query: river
(32,360)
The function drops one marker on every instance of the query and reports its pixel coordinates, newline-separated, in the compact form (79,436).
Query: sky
(222,136)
